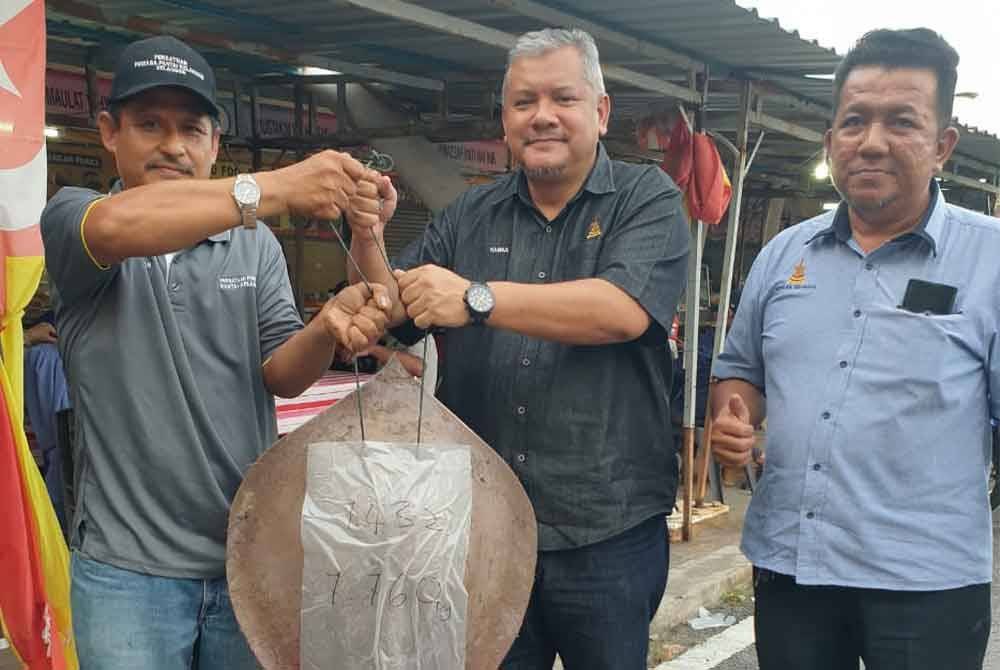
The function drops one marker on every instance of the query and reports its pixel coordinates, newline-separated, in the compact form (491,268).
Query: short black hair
(914,48)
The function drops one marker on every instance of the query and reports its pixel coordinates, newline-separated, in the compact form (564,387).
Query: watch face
(245,191)
(480,298)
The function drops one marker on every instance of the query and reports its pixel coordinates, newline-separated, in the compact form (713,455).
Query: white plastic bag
(385,531)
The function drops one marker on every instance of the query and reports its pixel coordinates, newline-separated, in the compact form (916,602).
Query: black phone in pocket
(929,297)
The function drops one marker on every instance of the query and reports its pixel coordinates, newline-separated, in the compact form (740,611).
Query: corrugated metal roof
(734,41)
(715,31)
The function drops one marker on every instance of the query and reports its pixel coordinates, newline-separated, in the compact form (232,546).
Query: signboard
(481,156)
(66,95)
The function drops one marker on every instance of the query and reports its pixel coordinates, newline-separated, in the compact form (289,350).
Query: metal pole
(728,260)
(733,233)
(93,91)
(343,115)
(692,314)
(300,224)
(254,129)
(313,115)
(237,92)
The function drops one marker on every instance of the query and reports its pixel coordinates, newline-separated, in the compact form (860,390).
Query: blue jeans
(593,605)
(126,620)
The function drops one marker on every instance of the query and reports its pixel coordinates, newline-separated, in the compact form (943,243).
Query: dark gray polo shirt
(165,380)
(586,428)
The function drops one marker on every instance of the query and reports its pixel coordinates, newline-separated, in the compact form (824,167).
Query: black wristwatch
(479,301)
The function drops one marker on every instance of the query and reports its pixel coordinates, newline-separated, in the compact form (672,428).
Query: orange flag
(34,562)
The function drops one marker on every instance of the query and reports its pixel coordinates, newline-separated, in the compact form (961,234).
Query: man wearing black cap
(177,324)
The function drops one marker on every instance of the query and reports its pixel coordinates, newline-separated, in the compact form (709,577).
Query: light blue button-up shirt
(878,434)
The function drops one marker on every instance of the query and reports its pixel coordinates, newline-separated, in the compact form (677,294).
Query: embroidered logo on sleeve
(237,282)
(595,229)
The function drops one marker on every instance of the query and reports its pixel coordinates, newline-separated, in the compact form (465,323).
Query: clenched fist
(321,186)
(372,205)
(433,296)
(356,317)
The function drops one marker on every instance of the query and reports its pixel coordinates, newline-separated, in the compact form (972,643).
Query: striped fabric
(331,387)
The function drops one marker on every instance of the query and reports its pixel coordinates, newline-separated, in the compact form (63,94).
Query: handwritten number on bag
(403,519)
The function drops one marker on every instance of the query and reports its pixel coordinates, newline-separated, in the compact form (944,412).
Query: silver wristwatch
(246,193)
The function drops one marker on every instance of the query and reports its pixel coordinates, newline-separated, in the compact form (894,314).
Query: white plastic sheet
(385,531)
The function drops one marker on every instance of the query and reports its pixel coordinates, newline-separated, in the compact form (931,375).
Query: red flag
(678,153)
(693,161)
(34,563)
(710,190)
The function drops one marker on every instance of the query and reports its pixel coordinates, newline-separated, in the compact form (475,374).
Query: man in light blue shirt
(872,333)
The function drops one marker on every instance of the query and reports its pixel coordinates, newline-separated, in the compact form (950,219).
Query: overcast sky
(969,25)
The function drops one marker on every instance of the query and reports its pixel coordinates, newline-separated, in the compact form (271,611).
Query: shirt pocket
(580,260)
(921,349)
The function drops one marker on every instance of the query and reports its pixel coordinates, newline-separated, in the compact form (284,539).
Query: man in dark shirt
(557,284)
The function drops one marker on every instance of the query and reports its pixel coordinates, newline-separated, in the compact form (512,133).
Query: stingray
(264,557)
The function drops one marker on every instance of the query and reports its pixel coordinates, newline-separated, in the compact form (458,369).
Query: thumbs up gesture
(732,433)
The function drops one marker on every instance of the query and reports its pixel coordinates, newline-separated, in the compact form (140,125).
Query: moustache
(170,166)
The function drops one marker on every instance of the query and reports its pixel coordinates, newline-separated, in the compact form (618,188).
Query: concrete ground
(706,567)
(733,649)
(701,572)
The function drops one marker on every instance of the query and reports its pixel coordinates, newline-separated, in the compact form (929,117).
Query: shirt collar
(929,229)
(600,180)
(224,236)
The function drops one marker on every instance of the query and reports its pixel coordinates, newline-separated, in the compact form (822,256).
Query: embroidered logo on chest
(595,229)
(798,278)
(235,282)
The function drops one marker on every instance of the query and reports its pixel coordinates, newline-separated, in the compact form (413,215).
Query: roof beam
(728,122)
(94,15)
(786,127)
(773,93)
(555,17)
(969,183)
(451,25)
(964,160)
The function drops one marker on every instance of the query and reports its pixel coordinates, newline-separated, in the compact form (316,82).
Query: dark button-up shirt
(586,428)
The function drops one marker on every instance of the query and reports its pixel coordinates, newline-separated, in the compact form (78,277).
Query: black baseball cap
(163,61)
